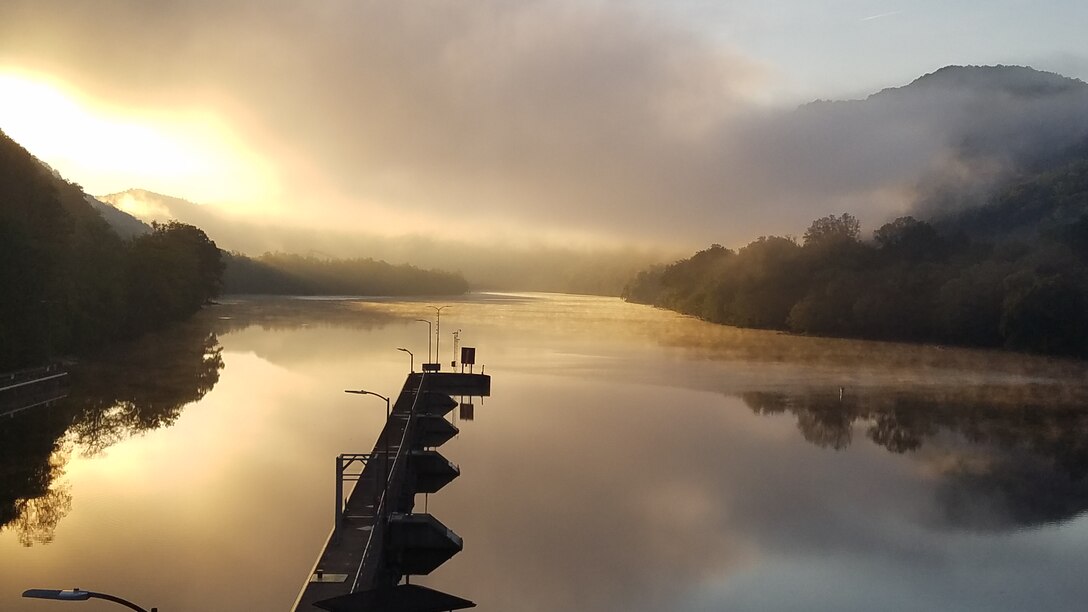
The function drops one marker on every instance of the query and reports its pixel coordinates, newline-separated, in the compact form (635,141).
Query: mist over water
(628,458)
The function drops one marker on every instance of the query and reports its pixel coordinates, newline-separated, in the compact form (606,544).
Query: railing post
(339,493)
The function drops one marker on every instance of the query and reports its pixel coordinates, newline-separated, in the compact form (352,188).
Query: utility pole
(438,334)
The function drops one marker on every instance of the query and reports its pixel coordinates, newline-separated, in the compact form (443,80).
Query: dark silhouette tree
(908,239)
(1046,315)
(70,284)
(172,272)
(833,229)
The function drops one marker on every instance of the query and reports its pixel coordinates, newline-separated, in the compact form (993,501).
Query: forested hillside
(1012,273)
(70,283)
(289,274)
(484,264)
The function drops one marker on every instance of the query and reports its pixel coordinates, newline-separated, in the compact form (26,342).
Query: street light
(438,333)
(80,595)
(385,437)
(429,329)
(411,357)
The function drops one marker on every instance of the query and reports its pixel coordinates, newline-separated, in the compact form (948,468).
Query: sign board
(468,355)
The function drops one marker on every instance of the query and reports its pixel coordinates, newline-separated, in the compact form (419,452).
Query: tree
(289,274)
(69,284)
(1047,315)
(832,229)
(968,304)
(172,272)
(768,277)
(828,308)
(34,245)
(910,239)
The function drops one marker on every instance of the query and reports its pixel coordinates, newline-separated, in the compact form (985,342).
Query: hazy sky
(562,120)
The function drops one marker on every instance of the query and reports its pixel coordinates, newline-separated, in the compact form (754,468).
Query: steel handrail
(33,382)
(380,510)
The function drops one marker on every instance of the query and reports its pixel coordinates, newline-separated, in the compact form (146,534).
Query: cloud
(546,112)
(542,117)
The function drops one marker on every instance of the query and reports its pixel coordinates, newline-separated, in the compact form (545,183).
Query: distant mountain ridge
(1033,206)
(148,206)
(599,272)
(972,131)
(951,141)
(1014,113)
(998,259)
(1021,81)
(125,225)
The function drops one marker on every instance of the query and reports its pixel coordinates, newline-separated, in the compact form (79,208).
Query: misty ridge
(994,254)
(544,122)
(974,176)
(940,144)
(1000,262)
(484,263)
(937,147)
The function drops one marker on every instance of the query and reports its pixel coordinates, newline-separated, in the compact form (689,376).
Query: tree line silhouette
(291,274)
(1020,282)
(70,284)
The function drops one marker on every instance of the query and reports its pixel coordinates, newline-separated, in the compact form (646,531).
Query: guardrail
(377,534)
(25,389)
(22,378)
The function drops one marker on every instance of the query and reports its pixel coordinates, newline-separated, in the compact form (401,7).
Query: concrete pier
(377,539)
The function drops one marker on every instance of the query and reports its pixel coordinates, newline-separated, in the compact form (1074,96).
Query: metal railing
(25,389)
(377,534)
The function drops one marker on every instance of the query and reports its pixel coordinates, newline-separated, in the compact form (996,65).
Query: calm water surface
(628,459)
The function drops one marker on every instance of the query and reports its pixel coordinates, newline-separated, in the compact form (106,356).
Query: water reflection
(628,458)
(1014,465)
(127,390)
(143,386)
(30,460)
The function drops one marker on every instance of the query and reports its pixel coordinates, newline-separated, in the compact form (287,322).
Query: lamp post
(80,595)
(411,357)
(385,438)
(438,333)
(428,338)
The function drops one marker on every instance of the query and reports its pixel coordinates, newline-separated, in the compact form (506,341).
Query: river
(628,459)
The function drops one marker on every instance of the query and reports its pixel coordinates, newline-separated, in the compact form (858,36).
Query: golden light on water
(185,153)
